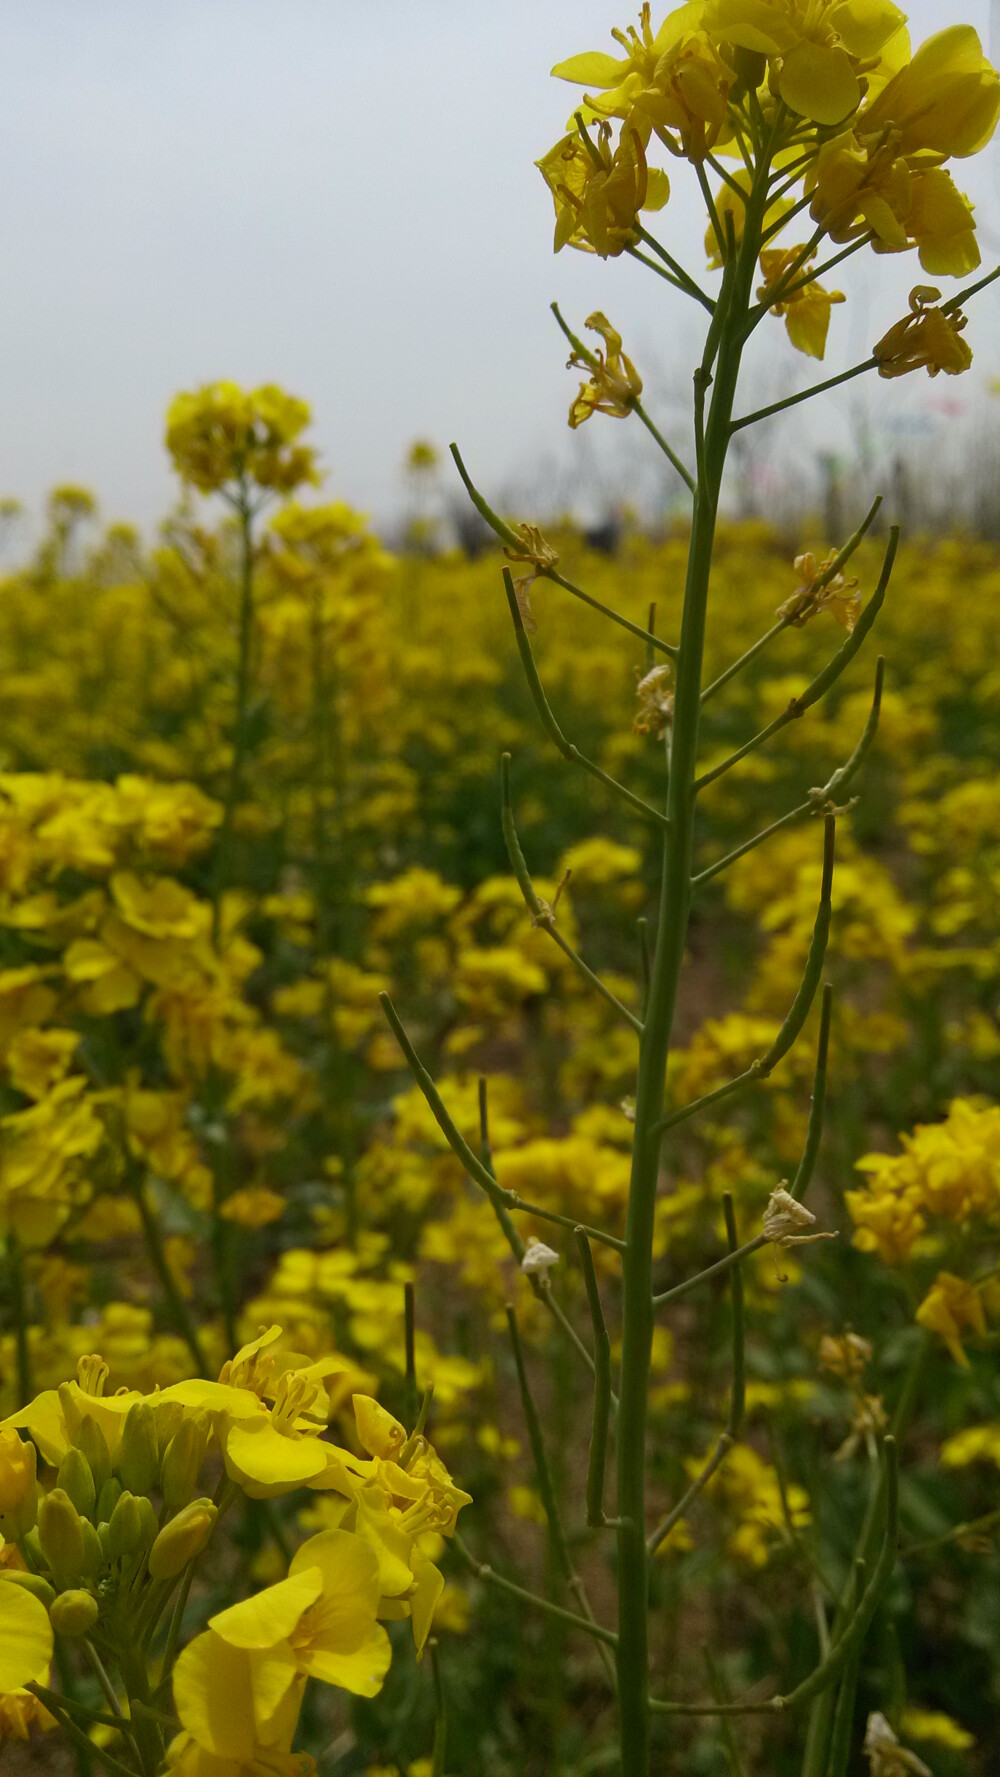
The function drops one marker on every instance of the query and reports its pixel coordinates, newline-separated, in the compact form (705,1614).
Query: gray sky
(339,196)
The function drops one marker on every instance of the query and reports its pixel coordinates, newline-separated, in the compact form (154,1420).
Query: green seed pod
(91,1441)
(60,1533)
(32,1582)
(76,1480)
(150,1523)
(182,1460)
(93,1551)
(182,1539)
(74,1613)
(138,1460)
(125,1528)
(108,1498)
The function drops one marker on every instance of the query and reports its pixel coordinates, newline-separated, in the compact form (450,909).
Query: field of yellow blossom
(431,983)
(208,1128)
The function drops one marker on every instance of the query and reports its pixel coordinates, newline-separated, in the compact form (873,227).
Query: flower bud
(93,1551)
(76,1480)
(182,1539)
(74,1613)
(18,1487)
(182,1460)
(138,1459)
(32,1582)
(110,1494)
(104,1538)
(125,1528)
(91,1441)
(61,1535)
(150,1523)
(33,1548)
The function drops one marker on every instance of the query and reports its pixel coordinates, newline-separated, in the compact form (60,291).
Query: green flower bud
(33,1546)
(60,1533)
(104,1538)
(109,1496)
(138,1459)
(32,1582)
(94,1445)
(150,1523)
(76,1480)
(125,1528)
(182,1460)
(74,1613)
(18,1487)
(93,1551)
(182,1539)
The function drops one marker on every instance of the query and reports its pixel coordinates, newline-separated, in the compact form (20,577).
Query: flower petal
(25,1638)
(361,1671)
(269,1616)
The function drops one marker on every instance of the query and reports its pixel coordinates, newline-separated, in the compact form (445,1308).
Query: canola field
(209,1130)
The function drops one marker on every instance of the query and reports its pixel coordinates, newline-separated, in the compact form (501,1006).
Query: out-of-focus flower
(951,1307)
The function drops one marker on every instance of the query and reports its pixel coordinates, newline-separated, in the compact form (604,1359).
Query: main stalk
(722,358)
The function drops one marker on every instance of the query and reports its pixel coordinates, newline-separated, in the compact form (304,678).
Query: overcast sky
(337,195)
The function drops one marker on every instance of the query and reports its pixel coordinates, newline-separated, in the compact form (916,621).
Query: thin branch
(671,455)
(488,1574)
(546,1485)
(542,914)
(814,1132)
(818,800)
(737,1401)
(498,1195)
(823,680)
(509,536)
(798,1011)
(710,1271)
(684,277)
(551,726)
(831,382)
(842,1651)
(832,569)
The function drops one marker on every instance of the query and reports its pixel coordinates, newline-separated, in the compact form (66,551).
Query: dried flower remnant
(539,1259)
(656,701)
(785,1221)
(886,1757)
(819,592)
(533,548)
(615,385)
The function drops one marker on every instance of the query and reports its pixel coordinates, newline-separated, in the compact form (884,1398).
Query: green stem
(831,382)
(725,338)
(602,1389)
(672,458)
